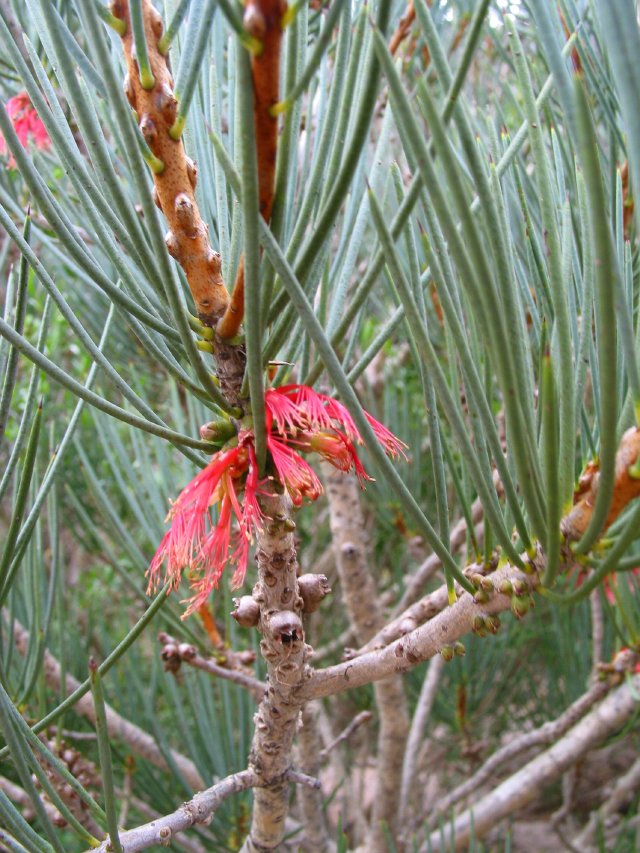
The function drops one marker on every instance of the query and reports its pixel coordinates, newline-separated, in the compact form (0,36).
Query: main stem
(285,652)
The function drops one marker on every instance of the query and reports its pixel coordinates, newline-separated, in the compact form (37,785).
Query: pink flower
(193,542)
(27,125)
(298,420)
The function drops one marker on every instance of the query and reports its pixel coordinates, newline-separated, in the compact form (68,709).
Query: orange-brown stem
(263,20)
(404,27)
(626,488)
(627,200)
(230,323)
(209,625)
(174,191)
(575,56)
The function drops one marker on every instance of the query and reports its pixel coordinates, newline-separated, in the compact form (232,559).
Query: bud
(519,587)
(448,653)
(519,606)
(506,587)
(481,596)
(459,649)
(247,612)
(313,589)
(285,626)
(185,214)
(218,431)
(478,626)
(492,623)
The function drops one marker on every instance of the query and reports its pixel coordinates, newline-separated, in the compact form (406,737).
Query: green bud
(506,587)
(492,624)
(478,626)
(459,649)
(519,606)
(447,652)
(481,596)
(218,431)
(519,587)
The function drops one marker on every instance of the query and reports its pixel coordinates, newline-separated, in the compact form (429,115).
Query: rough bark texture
(156,108)
(174,193)
(285,652)
(361,600)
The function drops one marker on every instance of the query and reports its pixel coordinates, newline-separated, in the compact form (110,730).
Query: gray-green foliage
(449,245)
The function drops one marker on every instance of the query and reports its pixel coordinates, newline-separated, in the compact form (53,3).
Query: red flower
(194,542)
(27,125)
(298,420)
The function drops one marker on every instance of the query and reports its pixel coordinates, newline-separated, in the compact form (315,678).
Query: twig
(303,779)
(174,653)
(174,174)
(545,735)
(422,643)
(404,27)
(524,785)
(426,571)
(198,810)
(119,728)
(345,734)
(263,21)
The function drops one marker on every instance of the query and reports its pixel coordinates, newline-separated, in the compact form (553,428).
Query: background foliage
(461,254)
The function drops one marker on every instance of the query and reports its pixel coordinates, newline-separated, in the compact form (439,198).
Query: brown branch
(174,653)
(541,737)
(345,734)
(523,787)
(138,741)
(362,603)
(198,810)
(429,639)
(175,175)
(285,652)
(316,837)
(263,20)
(404,27)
